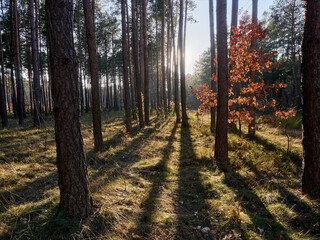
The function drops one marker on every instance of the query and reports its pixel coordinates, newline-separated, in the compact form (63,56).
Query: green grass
(158,183)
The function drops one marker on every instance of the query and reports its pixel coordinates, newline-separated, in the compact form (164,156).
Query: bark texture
(221,144)
(93,66)
(73,178)
(310,70)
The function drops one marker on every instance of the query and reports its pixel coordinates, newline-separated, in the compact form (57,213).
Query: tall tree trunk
(35,65)
(80,58)
(221,142)
(252,123)
(157,57)
(182,68)
(163,67)
(145,57)
(234,23)
(107,76)
(75,197)
(310,70)
(213,67)
(175,62)
(135,49)
(115,95)
(18,63)
(93,66)
(293,53)
(169,41)
(3,102)
(125,66)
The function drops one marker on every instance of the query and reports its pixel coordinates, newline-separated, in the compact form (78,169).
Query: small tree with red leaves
(246,94)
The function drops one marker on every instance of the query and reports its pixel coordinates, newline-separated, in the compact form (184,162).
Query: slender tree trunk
(310,70)
(213,67)
(163,67)
(107,77)
(234,23)
(135,49)
(221,142)
(125,66)
(293,53)
(75,197)
(182,68)
(3,102)
(115,95)
(93,64)
(175,62)
(80,58)
(35,65)
(18,63)
(145,57)
(157,57)
(169,64)
(252,123)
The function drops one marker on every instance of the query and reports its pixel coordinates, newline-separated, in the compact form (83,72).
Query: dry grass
(158,183)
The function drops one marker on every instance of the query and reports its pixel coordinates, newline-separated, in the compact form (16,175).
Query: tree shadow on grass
(110,170)
(158,178)
(253,206)
(307,219)
(30,192)
(191,207)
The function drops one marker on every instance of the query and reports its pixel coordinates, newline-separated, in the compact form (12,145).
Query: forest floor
(158,183)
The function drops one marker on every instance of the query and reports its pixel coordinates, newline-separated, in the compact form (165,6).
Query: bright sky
(198,39)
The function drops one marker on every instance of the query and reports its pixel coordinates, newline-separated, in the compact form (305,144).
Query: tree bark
(252,123)
(18,64)
(3,102)
(145,60)
(75,197)
(125,67)
(163,67)
(135,48)
(182,68)
(93,66)
(175,62)
(221,142)
(35,65)
(310,71)
(213,67)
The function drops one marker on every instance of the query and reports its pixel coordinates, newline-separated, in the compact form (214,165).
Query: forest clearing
(160,119)
(159,183)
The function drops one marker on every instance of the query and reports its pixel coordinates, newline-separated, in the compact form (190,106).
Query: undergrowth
(160,182)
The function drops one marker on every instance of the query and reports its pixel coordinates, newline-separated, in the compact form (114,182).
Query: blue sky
(198,38)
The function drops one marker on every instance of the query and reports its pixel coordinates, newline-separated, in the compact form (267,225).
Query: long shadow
(293,156)
(109,171)
(307,220)
(158,177)
(191,207)
(260,216)
(29,192)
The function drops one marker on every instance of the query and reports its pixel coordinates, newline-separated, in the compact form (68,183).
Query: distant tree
(145,60)
(93,63)
(3,101)
(17,53)
(213,66)
(125,67)
(310,70)
(221,142)
(163,67)
(135,49)
(182,66)
(73,181)
(35,65)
